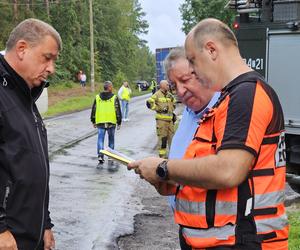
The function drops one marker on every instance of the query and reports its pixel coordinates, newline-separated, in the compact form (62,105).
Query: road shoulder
(154,228)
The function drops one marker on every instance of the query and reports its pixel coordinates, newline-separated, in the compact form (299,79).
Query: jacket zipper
(46,176)
(6,194)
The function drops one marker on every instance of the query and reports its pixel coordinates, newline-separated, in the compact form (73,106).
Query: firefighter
(163,103)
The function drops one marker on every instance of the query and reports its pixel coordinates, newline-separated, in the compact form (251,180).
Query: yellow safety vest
(125,94)
(105,110)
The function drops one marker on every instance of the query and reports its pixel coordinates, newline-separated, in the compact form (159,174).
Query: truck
(160,55)
(269,40)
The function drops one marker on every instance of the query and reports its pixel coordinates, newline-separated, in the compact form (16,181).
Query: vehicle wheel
(295,187)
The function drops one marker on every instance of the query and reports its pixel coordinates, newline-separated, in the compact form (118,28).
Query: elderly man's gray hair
(172,57)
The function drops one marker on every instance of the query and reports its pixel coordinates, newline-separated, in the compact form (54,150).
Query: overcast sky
(165,23)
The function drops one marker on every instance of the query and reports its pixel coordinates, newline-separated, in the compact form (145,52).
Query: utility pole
(92,47)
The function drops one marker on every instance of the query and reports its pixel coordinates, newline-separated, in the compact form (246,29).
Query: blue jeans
(124,108)
(111,138)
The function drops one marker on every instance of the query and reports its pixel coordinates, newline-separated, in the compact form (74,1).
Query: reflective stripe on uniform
(220,233)
(269,199)
(164,99)
(167,117)
(276,223)
(228,208)
(223,233)
(162,152)
(198,208)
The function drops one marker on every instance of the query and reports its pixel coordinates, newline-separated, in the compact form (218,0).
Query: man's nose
(191,69)
(180,90)
(51,67)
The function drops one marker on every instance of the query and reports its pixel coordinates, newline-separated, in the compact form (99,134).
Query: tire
(295,187)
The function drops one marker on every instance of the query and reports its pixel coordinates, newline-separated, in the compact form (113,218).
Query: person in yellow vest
(124,94)
(153,86)
(106,116)
(163,102)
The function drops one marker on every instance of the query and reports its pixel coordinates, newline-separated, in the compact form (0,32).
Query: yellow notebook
(116,156)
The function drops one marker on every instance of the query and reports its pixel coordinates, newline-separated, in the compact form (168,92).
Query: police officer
(163,102)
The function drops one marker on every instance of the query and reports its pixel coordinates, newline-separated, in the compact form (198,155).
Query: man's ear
(212,49)
(21,48)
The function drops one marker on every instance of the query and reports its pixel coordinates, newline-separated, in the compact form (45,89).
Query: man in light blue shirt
(197,100)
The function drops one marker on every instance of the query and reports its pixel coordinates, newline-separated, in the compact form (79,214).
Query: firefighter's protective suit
(164,105)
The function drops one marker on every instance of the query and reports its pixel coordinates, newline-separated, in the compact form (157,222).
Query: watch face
(160,172)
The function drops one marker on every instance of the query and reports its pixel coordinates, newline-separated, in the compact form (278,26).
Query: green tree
(192,11)
(117,26)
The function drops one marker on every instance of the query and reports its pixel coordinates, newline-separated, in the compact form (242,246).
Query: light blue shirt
(185,133)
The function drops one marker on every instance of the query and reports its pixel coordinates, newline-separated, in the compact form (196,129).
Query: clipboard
(115,155)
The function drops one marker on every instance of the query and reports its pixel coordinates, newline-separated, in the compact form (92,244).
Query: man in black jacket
(31,51)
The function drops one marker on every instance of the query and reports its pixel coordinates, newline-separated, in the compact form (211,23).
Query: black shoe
(100,163)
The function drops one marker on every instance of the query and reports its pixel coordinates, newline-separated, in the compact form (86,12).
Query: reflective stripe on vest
(222,234)
(229,208)
(266,225)
(105,110)
(125,94)
(198,208)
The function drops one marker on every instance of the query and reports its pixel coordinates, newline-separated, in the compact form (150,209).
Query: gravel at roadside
(154,228)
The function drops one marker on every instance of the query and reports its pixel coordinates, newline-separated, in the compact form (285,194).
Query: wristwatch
(162,170)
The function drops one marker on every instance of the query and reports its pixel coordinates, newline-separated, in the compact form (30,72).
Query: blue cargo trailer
(160,55)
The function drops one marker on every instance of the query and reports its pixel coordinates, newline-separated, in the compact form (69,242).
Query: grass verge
(69,97)
(294,219)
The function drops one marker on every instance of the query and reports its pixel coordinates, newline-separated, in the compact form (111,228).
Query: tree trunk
(15,2)
(27,7)
(47,7)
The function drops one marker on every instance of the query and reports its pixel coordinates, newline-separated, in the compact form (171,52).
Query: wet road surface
(89,206)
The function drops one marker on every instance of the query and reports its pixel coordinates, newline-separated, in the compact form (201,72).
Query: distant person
(30,55)
(196,98)
(79,73)
(163,102)
(153,86)
(124,94)
(106,115)
(83,79)
(232,177)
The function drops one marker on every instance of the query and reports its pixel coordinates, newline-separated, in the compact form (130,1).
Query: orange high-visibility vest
(254,211)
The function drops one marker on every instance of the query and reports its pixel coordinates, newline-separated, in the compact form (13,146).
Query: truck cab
(268,34)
